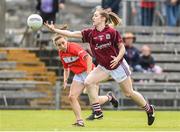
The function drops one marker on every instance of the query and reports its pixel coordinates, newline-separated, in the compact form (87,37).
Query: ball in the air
(35,21)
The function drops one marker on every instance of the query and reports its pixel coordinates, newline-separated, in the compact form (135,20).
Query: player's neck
(63,49)
(100,27)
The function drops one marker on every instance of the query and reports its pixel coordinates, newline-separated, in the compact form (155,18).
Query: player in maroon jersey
(74,58)
(108,48)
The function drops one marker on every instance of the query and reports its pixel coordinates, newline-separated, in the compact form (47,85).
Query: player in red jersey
(74,58)
(108,48)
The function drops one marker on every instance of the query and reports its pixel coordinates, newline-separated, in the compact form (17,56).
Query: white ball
(35,21)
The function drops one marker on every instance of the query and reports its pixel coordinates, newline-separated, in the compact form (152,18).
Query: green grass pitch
(61,120)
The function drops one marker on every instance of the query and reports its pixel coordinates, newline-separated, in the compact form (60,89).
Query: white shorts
(80,77)
(120,73)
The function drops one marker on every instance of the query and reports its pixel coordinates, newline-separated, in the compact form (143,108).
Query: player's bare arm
(66,76)
(67,33)
(88,60)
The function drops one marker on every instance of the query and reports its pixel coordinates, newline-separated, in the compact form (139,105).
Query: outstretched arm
(67,33)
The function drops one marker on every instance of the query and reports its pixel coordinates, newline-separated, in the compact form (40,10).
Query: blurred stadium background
(31,74)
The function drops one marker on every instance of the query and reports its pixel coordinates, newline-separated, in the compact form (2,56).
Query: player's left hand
(114,62)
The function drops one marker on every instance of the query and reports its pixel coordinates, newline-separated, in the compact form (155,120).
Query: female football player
(74,58)
(108,48)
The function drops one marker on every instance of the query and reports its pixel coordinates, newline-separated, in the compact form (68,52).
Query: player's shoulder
(111,29)
(74,46)
(113,32)
(88,29)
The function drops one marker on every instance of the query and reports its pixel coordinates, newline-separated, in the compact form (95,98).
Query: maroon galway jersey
(104,44)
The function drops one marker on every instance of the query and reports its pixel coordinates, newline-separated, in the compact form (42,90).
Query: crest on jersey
(100,37)
(108,36)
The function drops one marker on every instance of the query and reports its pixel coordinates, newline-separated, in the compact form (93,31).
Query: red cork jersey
(73,58)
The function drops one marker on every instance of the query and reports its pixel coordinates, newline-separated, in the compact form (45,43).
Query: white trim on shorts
(120,73)
(80,77)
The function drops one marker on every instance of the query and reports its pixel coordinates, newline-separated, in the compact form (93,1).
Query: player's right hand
(65,84)
(50,26)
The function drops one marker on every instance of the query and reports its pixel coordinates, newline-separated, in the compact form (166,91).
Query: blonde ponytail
(114,19)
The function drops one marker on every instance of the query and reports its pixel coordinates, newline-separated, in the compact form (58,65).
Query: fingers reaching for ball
(50,26)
